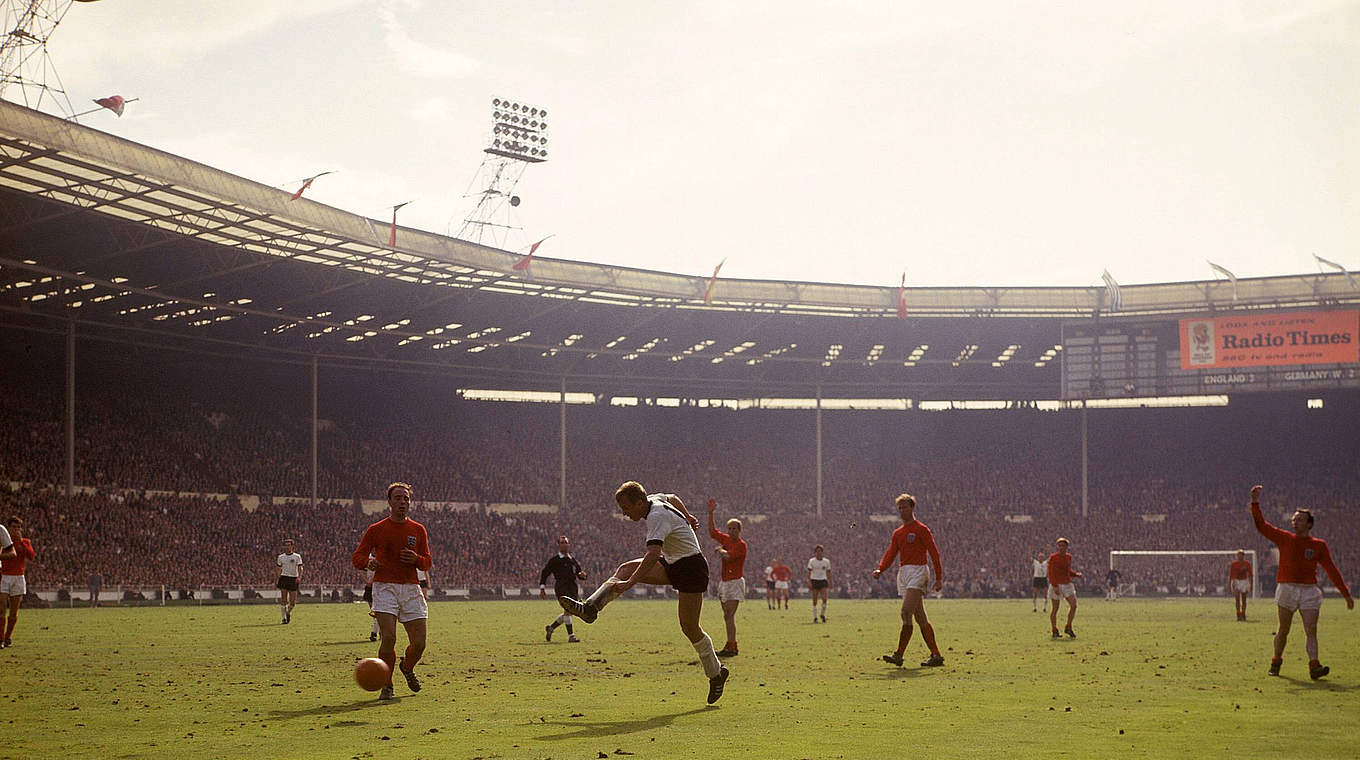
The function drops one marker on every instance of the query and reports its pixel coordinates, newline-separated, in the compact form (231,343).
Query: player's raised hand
(712,505)
(1256,493)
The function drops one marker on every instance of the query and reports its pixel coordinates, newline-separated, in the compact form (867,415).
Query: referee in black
(565,570)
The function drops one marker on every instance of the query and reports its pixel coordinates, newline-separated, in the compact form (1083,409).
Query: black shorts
(287,583)
(572,591)
(816,584)
(769,585)
(1041,584)
(368,595)
(425,583)
(688,574)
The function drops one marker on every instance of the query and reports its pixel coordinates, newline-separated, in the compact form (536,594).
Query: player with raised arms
(674,558)
(398,545)
(1060,587)
(732,587)
(911,543)
(1240,581)
(1296,585)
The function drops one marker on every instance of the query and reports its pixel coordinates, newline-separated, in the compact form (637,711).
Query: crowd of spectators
(994,486)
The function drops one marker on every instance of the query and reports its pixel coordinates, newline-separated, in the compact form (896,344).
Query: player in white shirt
(6,544)
(1040,582)
(674,558)
(770,593)
(290,570)
(819,580)
(368,598)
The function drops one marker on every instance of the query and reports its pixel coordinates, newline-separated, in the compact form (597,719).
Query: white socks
(707,657)
(604,594)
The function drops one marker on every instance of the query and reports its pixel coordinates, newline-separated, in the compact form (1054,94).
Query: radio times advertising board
(1298,350)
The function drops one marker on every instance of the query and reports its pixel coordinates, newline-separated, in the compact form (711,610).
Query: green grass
(1153,679)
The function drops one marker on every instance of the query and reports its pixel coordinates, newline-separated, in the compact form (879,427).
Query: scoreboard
(1213,354)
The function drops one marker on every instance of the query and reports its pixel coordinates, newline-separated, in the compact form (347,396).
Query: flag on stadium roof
(392,233)
(902,298)
(1338,268)
(114,103)
(1112,291)
(523,264)
(1231,277)
(307,184)
(708,292)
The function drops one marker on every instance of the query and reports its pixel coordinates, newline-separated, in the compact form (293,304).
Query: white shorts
(401,599)
(781,585)
(1299,596)
(1065,591)
(14,585)
(913,576)
(732,591)
(1241,586)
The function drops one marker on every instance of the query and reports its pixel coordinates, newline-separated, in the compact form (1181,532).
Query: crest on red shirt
(911,538)
(411,542)
(1309,554)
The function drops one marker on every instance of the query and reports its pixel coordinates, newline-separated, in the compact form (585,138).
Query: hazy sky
(971,143)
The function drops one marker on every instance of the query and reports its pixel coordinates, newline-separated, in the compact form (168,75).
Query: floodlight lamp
(496,102)
(533,111)
(544,114)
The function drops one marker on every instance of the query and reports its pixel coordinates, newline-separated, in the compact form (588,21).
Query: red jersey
(782,573)
(734,564)
(1059,569)
(1299,555)
(16,566)
(911,543)
(1239,570)
(385,539)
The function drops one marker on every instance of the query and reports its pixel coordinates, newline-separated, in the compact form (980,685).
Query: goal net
(1178,573)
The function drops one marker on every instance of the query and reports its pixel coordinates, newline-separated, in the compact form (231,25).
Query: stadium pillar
(313,431)
(70,407)
(562,453)
(1085,484)
(819,452)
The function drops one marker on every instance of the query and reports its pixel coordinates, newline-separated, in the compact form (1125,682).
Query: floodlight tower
(25,66)
(519,137)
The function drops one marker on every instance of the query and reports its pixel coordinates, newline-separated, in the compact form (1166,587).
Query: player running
(732,588)
(12,583)
(565,571)
(1240,581)
(1296,581)
(819,579)
(398,546)
(673,558)
(1060,575)
(290,572)
(911,543)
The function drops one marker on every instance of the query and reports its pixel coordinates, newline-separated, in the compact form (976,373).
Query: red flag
(306,185)
(523,264)
(708,292)
(902,298)
(392,234)
(114,103)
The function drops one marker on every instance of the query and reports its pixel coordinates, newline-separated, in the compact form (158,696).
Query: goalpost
(1250,553)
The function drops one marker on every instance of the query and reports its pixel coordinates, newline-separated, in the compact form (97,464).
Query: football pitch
(1157,679)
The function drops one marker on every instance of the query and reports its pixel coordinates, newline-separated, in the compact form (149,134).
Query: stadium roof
(134,242)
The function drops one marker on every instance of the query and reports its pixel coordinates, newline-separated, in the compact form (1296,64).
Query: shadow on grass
(367,704)
(356,642)
(897,674)
(586,729)
(1311,685)
(260,625)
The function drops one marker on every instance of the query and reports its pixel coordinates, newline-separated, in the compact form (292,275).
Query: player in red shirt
(1240,581)
(12,584)
(399,546)
(1060,575)
(1296,585)
(732,588)
(782,575)
(911,543)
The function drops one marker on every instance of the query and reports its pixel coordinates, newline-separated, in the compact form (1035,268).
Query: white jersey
(421,575)
(769,574)
(1040,569)
(5,540)
(819,569)
(290,564)
(667,526)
